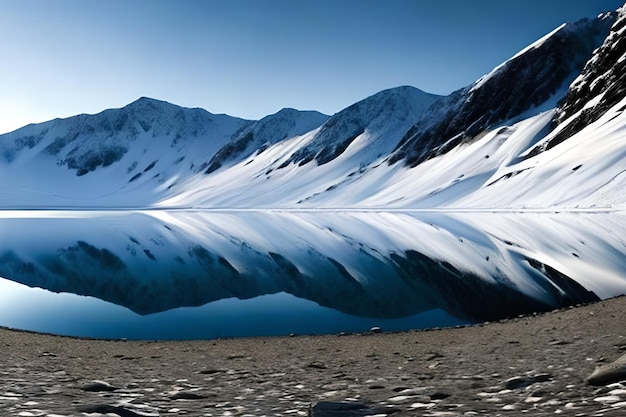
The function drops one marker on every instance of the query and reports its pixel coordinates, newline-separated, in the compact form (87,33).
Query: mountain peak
(146,100)
(150,104)
(384,115)
(257,136)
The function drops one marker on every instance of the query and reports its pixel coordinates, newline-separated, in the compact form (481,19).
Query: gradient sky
(250,58)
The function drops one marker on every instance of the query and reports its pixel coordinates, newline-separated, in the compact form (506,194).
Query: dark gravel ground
(525,366)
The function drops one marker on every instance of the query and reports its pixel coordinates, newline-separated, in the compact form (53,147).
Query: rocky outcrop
(609,373)
(600,86)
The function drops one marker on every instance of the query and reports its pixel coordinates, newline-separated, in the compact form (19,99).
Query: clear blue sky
(250,58)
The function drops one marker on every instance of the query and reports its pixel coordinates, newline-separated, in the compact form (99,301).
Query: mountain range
(543,130)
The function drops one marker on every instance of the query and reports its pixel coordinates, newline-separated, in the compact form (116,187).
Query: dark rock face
(604,74)
(525,81)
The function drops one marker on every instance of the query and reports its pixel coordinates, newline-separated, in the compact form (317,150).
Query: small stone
(187,395)
(532,400)
(316,365)
(439,396)
(401,398)
(542,377)
(608,399)
(433,355)
(525,381)
(210,371)
(559,343)
(98,386)
(422,405)
(493,400)
(518,382)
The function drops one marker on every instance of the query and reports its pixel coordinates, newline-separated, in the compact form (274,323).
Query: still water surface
(201,275)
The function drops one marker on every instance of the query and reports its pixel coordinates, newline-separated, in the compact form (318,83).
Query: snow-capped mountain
(544,129)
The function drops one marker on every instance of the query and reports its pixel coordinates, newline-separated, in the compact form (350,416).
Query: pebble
(186,395)
(98,386)
(525,381)
(608,399)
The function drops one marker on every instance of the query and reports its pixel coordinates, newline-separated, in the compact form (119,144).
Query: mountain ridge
(399,148)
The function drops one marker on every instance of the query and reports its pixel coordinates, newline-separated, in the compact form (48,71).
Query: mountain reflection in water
(261,273)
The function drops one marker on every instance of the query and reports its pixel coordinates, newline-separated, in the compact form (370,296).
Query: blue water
(279,314)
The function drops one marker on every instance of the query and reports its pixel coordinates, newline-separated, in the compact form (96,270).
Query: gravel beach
(536,365)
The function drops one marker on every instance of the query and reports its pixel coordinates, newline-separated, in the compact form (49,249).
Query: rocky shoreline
(538,365)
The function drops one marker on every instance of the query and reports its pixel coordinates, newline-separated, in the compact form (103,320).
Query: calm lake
(209,274)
